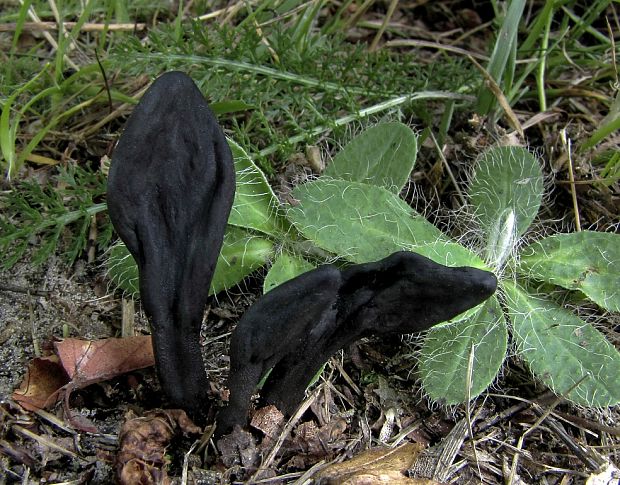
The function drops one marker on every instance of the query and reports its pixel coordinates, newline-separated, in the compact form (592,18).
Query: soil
(362,391)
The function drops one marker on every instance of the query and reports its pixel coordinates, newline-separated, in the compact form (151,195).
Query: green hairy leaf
(357,221)
(587,261)
(255,205)
(285,267)
(123,270)
(569,355)
(450,254)
(383,155)
(241,254)
(447,351)
(505,193)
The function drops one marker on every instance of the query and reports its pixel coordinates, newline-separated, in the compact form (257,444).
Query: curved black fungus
(170,191)
(299,325)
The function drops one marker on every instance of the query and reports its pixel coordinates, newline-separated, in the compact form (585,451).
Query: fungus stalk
(170,191)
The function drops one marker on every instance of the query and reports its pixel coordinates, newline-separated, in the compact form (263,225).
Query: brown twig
(285,433)
(588,456)
(509,412)
(571,177)
(87,27)
(434,45)
(25,291)
(501,98)
(588,424)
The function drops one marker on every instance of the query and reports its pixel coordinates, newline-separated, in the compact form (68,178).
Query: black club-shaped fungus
(296,327)
(170,191)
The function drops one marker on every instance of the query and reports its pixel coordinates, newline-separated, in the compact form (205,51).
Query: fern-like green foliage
(35,217)
(353,213)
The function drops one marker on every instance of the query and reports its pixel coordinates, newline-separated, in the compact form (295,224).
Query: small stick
(504,415)
(127,325)
(571,177)
(26,291)
(448,450)
(448,169)
(285,432)
(92,239)
(580,422)
(501,98)
(470,371)
(33,15)
(539,421)
(44,442)
(33,329)
(587,456)
(87,27)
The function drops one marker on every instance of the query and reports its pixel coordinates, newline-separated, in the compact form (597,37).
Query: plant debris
(143,441)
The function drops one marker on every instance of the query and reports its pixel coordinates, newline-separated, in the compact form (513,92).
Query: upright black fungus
(296,327)
(170,191)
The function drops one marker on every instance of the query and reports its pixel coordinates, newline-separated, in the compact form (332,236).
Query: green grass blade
(504,46)
(8,130)
(19,25)
(584,23)
(65,39)
(535,29)
(610,124)
(302,32)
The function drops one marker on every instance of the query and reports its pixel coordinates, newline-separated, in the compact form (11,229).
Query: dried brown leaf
(143,442)
(238,448)
(87,362)
(39,388)
(269,420)
(378,465)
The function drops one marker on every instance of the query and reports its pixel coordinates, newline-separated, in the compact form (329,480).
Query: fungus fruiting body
(170,191)
(296,327)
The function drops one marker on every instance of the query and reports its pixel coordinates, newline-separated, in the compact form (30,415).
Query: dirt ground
(367,398)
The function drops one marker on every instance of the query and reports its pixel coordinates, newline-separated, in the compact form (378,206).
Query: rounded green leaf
(505,192)
(569,355)
(123,270)
(383,155)
(357,221)
(587,261)
(451,254)
(447,352)
(241,254)
(286,267)
(255,205)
